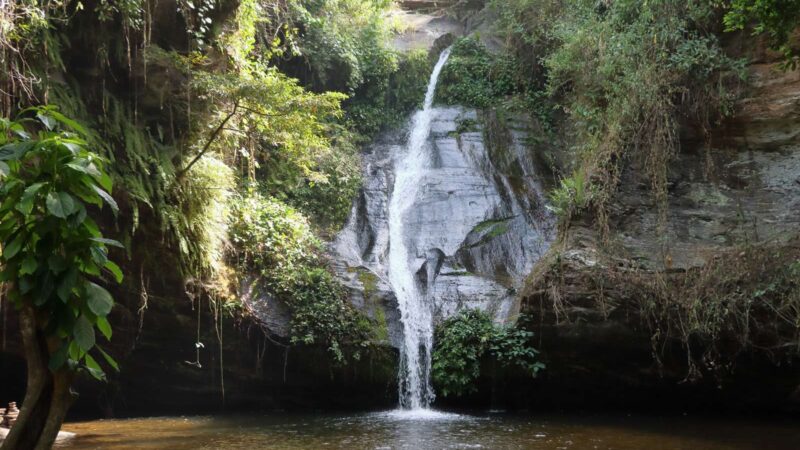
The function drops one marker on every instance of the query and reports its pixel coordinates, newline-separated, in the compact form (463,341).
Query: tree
(53,261)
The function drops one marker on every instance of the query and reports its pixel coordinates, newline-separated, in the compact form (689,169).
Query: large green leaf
(68,122)
(15,150)
(61,204)
(111,362)
(110,242)
(58,358)
(25,205)
(115,270)
(94,369)
(68,281)
(105,327)
(84,333)
(44,288)
(98,300)
(87,168)
(48,121)
(105,181)
(28,266)
(108,198)
(14,247)
(4,169)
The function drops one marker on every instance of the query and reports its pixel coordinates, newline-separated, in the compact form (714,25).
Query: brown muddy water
(434,430)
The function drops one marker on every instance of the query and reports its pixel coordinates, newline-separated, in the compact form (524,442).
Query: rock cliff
(478,221)
(695,310)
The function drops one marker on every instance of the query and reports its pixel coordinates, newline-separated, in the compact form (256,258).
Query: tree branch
(210,141)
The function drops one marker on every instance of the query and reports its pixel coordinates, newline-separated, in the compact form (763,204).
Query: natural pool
(431,430)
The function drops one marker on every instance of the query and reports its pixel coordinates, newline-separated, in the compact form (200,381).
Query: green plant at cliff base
(464,341)
(53,257)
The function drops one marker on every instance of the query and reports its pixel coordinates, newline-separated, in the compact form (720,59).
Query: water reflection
(400,430)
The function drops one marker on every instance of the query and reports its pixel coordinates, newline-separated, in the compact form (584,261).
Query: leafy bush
(474,77)
(342,41)
(198,214)
(321,313)
(463,342)
(277,242)
(573,195)
(390,94)
(327,200)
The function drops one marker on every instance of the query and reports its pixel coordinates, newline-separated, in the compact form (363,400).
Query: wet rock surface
(475,229)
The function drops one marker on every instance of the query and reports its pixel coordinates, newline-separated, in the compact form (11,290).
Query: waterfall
(415,312)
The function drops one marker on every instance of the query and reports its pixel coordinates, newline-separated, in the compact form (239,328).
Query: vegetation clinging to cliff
(746,300)
(195,120)
(343,46)
(778,19)
(625,73)
(278,244)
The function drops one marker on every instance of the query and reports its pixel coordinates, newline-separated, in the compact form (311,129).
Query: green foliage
(272,237)
(279,124)
(53,252)
(321,314)
(572,196)
(327,202)
(465,341)
(342,46)
(198,213)
(277,241)
(624,72)
(474,77)
(29,47)
(343,41)
(775,18)
(392,92)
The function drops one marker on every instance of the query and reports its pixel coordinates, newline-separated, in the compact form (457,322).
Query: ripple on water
(421,415)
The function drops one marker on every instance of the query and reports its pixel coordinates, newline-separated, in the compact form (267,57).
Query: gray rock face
(741,191)
(476,227)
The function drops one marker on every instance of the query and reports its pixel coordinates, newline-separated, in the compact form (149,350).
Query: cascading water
(415,312)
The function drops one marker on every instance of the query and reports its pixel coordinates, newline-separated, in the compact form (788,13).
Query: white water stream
(415,312)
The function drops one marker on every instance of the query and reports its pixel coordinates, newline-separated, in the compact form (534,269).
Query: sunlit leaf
(108,198)
(111,362)
(25,205)
(105,327)
(115,270)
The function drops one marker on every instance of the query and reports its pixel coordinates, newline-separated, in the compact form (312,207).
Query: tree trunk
(47,396)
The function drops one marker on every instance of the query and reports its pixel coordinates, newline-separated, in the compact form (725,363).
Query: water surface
(400,430)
